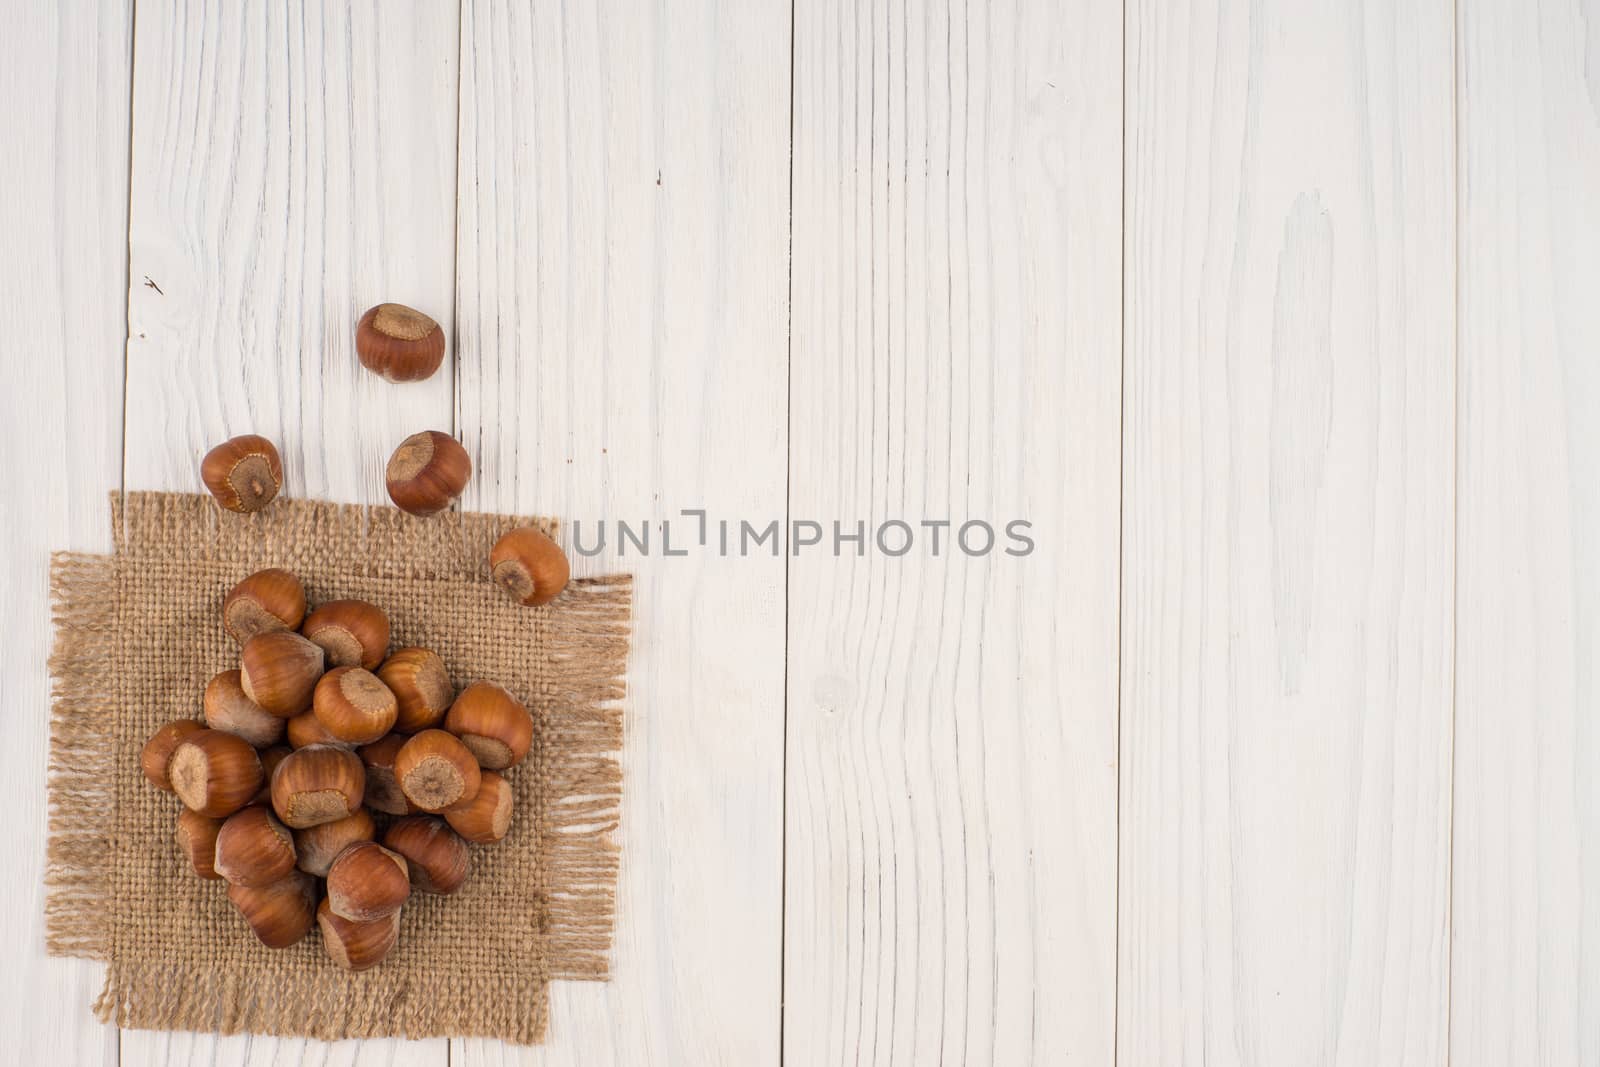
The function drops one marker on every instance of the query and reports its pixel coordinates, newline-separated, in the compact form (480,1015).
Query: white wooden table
(1279,322)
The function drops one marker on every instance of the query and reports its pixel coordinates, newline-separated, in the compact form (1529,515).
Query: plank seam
(455,300)
(127,283)
(1122,497)
(1456,102)
(788,511)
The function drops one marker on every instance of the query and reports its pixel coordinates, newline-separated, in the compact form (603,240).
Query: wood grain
(1287,510)
(63,214)
(1526,894)
(951,832)
(293,164)
(621,309)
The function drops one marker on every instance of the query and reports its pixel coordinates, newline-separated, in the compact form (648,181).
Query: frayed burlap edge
(578,853)
(82,752)
(578,856)
(153,997)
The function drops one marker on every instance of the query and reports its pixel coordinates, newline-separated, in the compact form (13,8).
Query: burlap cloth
(137,635)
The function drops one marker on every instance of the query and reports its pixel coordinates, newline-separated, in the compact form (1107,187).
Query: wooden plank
(1288,545)
(62,281)
(292,165)
(956,356)
(621,307)
(1526,894)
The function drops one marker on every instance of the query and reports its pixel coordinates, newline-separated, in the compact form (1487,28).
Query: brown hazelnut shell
(306,729)
(270,758)
(279,671)
(316,847)
(317,784)
(383,789)
(229,710)
(157,752)
(215,773)
(435,770)
(436,854)
(244,473)
(253,848)
(353,633)
(357,946)
(529,566)
(197,839)
(367,882)
(280,914)
(421,686)
(427,472)
(493,724)
(266,601)
(399,343)
(354,706)
(486,818)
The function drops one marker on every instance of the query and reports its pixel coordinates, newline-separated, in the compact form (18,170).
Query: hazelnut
(421,688)
(253,848)
(493,724)
(352,705)
(317,784)
(306,729)
(383,789)
(400,343)
(280,913)
(214,773)
(357,946)
(435,770)
(243,473)
(367,882)
(157,753)
(352,632)
(529,566)
(229,710)
(268,600)
(485,818)
(197,837)
(427,472)
(279,671)
(318,846)
(270,758)
(436,856)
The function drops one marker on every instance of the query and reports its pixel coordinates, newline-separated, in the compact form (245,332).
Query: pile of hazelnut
(373,736)
(370,732)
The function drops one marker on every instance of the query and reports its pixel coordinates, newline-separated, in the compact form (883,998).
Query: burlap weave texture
(137,637)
